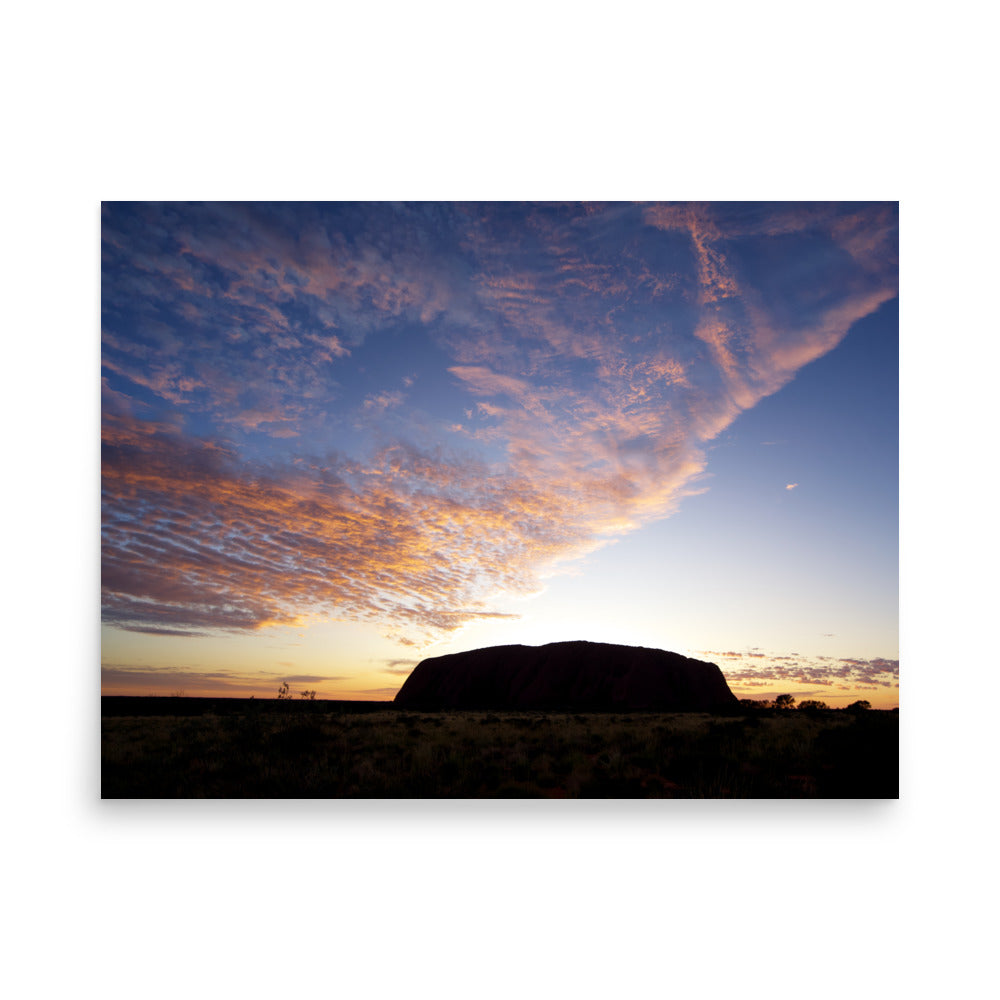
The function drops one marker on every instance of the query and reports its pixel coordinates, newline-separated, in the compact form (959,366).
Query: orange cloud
(194,539)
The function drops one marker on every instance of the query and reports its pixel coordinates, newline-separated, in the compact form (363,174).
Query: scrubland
(320,750)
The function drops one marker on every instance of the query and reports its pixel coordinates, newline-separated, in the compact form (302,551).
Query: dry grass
(396,754)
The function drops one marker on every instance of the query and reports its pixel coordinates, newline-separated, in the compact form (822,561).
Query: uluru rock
(567,676)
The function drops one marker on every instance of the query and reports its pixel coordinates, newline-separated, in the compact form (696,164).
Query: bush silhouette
(811,704)
(859,706)
(784,701)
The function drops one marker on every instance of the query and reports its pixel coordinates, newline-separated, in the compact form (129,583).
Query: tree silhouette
(859,706)
(811,704)
(784,701)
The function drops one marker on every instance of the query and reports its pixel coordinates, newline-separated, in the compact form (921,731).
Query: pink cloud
(383,401)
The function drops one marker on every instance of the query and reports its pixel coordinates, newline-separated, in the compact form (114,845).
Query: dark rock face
(567,676)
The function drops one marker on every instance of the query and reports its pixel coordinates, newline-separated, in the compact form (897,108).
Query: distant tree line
(787,701)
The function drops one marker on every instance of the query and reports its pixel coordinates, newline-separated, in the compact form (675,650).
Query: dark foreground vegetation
(218,748)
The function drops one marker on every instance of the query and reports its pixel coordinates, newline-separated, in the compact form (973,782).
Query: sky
(340,437)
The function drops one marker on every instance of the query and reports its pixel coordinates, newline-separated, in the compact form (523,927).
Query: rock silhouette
(560,676)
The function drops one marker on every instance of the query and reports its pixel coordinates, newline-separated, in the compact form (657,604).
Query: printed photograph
(480,500)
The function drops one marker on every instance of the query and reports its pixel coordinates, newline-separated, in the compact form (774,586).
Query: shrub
(784,701)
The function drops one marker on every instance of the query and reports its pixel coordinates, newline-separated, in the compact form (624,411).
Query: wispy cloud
(193,536)
(383,401)
(130,678)
(768,669)
(401,668)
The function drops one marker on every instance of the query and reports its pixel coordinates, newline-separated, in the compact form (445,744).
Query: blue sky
(339,437)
